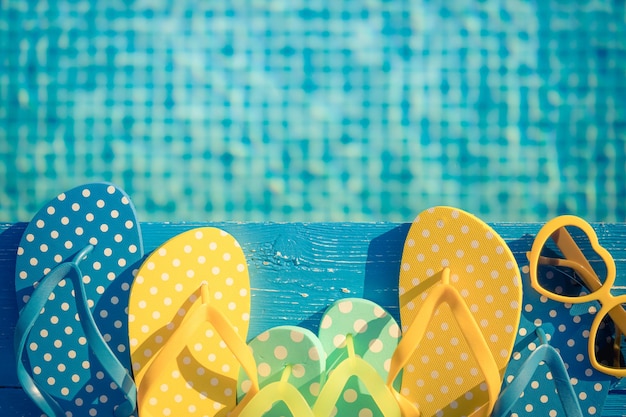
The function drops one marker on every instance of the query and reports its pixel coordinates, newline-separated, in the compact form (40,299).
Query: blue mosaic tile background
(317,110)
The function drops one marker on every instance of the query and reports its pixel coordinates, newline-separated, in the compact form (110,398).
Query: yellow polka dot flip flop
(460,305)
(188,321)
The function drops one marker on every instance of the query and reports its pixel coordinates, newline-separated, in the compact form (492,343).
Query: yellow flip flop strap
(277,391)
(201,312)
(445,293)
(355,366)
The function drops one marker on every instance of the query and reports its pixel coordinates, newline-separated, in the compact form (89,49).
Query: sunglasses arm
(590,279)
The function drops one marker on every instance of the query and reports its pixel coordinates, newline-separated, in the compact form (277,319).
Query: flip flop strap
(334,386)
(198,315)
(29,315)
(445,293)
(544,353)
(277,391)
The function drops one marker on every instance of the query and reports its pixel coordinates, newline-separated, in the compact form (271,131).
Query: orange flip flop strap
(445,293)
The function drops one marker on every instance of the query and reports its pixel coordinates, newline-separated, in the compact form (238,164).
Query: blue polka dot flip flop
(566,330)
(291,364)
(359,338)
(542,375)
(74,268)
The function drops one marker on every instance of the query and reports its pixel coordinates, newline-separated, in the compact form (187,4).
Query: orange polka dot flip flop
(188,321)
(460,306)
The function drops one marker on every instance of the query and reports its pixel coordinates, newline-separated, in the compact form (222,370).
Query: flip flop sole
(202,379)
(442,376)
(57,350)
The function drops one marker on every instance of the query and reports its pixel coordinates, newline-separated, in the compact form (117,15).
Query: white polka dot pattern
(442,375)
(568,333)
(375,334)
(202,379)
(287,349)
(58,353)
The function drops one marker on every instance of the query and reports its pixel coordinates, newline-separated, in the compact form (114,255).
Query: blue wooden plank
(15,403)
(296,270)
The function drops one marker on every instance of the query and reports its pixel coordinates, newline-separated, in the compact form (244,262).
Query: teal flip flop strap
(29,315)
(548,354)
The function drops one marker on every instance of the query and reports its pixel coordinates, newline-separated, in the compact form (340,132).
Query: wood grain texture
(296,271)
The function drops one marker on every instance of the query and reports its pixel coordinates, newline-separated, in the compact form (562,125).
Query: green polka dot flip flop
(73,273)
(460,304)
(189,312)
(291,364)
(359,338)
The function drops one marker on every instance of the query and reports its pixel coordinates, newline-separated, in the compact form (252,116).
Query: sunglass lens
(569,266)
(609,342)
